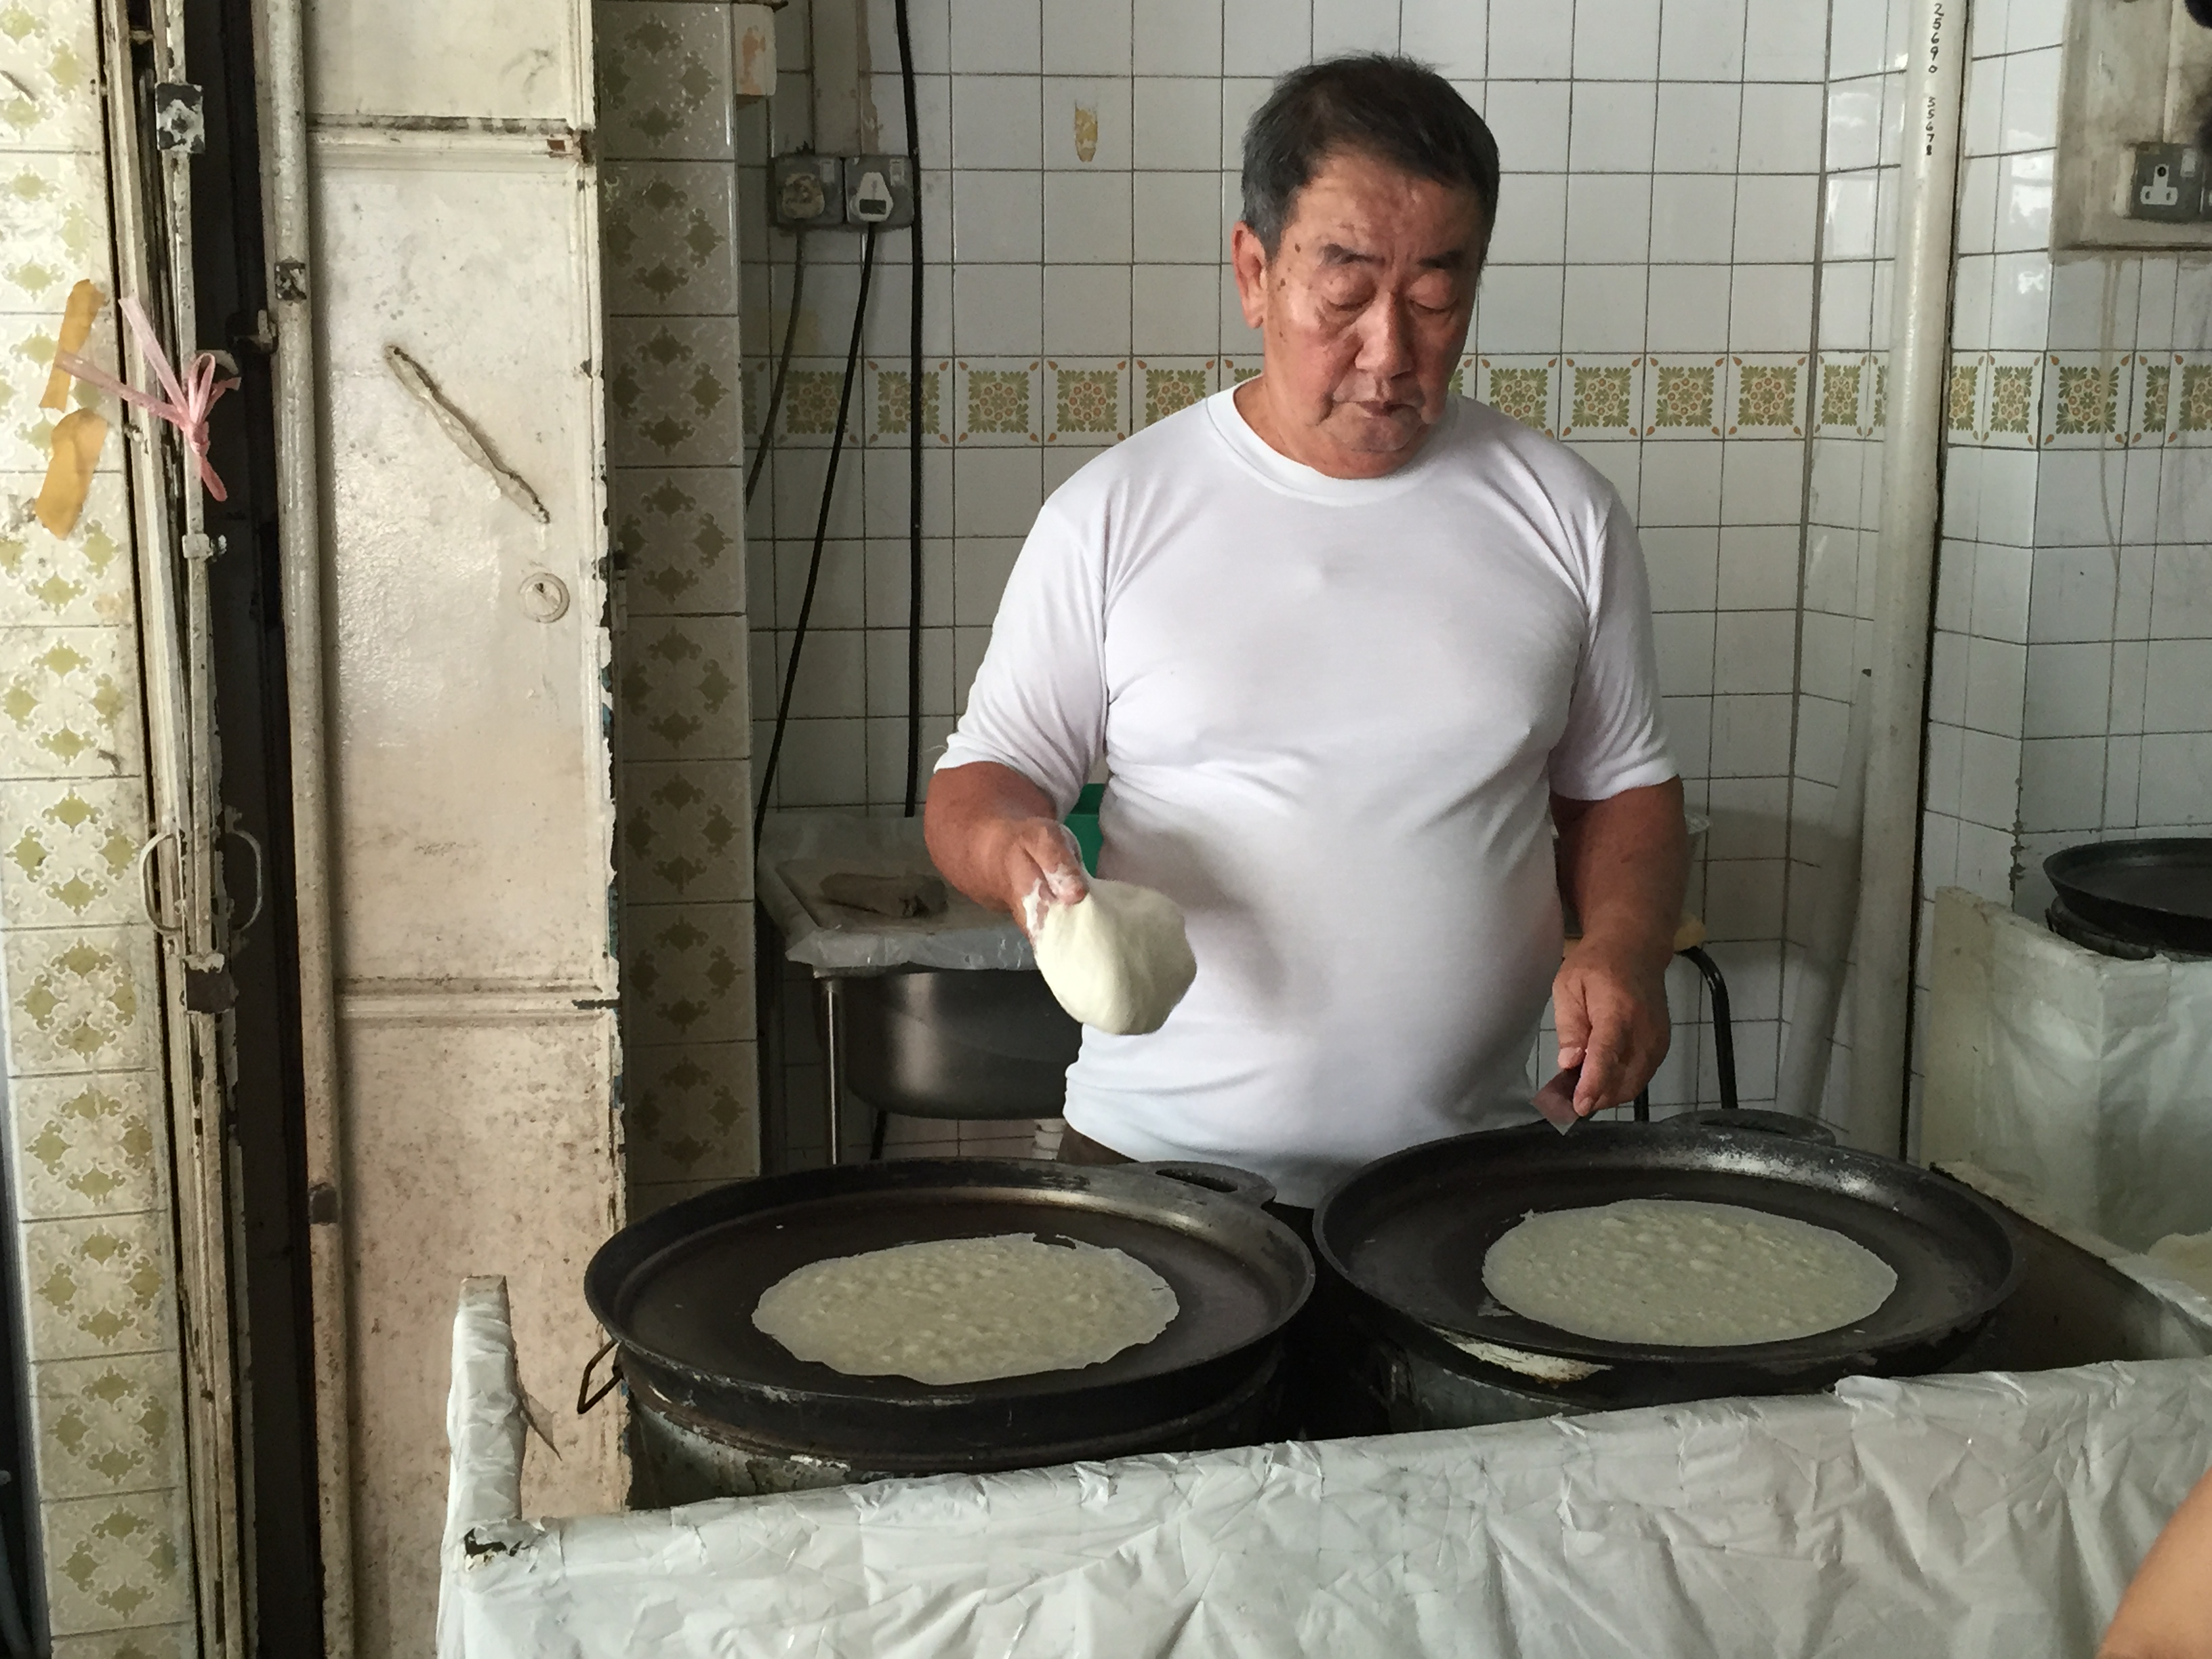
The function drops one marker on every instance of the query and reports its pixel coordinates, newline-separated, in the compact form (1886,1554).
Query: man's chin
(1378,434)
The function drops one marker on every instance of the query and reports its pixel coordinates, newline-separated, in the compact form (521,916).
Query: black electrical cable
(821,532)
(782,365)
(913,423)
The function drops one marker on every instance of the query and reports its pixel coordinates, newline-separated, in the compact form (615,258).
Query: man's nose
(1386,345)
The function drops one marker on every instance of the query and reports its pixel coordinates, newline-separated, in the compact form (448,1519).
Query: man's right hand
(994,837)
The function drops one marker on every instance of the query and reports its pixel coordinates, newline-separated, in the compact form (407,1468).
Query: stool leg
(1644,1107)
(833,1068)
(1723,1031)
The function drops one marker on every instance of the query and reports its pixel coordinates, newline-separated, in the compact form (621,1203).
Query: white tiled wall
(2076,548)
(2073,669)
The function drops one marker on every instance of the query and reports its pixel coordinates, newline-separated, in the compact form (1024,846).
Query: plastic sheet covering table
(1988,1514)
(2083,1078)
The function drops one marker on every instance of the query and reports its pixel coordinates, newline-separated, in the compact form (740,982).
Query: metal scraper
(1556,1100)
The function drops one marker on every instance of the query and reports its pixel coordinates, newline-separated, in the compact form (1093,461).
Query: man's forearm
(981,825)
(1624,861)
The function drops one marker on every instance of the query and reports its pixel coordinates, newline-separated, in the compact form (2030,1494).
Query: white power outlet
(2136,76)
(878,191)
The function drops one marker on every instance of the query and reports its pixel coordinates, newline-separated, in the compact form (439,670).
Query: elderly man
(1350,646)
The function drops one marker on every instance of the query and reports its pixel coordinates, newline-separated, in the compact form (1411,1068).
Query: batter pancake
(967,1309)
(1677,1274)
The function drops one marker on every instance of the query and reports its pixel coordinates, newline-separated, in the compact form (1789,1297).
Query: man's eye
(1439,296)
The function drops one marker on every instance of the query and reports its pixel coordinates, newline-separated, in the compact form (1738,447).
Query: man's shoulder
(1493,443)
(1167,446)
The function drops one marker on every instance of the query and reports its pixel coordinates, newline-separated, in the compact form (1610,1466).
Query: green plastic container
(1084,822)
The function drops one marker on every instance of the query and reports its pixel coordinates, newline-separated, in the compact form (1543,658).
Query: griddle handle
(586,1399)
(1223,1178)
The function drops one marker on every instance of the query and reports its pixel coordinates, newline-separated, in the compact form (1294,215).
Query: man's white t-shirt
(1333,712)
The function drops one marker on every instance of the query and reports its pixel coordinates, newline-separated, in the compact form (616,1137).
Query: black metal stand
(1723,1033)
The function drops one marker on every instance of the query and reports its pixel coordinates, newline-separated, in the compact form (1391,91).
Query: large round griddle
(2158,890)
(1410,1231)
(676,1292)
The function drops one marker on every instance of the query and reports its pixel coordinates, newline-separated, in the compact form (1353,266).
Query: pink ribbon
(186,406)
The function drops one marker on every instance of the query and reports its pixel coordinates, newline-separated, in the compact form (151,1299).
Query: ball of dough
(1118,959)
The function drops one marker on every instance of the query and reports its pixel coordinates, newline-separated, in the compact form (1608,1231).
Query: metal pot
(939,1042)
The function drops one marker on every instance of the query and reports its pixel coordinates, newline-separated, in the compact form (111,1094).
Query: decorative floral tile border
(665,78)
(687,974)
(668,238)
(118,1561)
(83,579)
(690,1112)
(1001,403)
(67,848)
(679,539)
(87,1144)
(87,1129)
(1162,386)
(1844,394)
(1087,402)
(159,1641)
(105,1426)
(52,231)
(50,100)
(2086,400)
(1767,396)
(684,832)
(2035,400)
(889,402)
(1686,396)
(673,390)
(28,342)
(80,1000)
(1526,389)
(98,1286)
(681,692)
(1601,396)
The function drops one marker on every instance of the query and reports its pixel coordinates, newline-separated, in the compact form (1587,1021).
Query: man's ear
(1247,257)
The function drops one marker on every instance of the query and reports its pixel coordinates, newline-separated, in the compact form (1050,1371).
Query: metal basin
(986,1043)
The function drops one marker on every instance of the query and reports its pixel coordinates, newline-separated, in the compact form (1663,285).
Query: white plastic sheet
(2085,1078)
(835,939)
(1990,1514)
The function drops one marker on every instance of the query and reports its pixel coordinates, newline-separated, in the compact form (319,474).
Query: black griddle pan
(2157,892)
(676,1292)
(1411,1231)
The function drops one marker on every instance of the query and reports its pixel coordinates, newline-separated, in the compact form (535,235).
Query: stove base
(681,1457)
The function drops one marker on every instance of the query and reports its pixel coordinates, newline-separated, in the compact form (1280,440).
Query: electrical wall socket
(2133,80)
(850,192)
(2168,185)
(806,192)
(878,191)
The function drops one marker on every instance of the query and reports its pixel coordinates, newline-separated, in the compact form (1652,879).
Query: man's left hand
(1610,1004)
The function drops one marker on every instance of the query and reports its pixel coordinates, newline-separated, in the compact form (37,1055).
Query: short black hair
(1394,109)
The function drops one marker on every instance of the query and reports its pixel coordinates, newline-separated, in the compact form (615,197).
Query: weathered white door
(454,286)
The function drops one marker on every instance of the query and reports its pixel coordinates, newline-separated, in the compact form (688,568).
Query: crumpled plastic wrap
(831,939)
(2085,1078)
(485,1427)
(1989,1514)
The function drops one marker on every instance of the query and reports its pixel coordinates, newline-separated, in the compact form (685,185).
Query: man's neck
(1310,447)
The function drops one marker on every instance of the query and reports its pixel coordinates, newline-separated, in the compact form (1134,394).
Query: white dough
(1118,959)
(1677,1274)
(967,1309)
